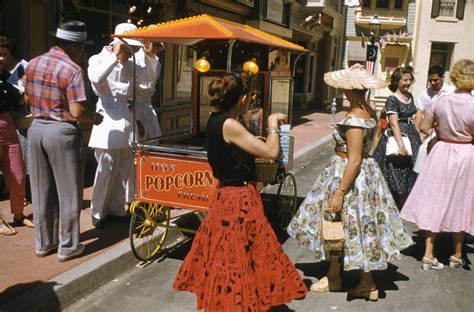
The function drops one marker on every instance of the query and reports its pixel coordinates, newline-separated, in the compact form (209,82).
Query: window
(391,63)
(441,54)
(382,4)
(398,4)
(448,8)
(366,4)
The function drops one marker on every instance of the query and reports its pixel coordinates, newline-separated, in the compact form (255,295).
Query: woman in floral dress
(400,109)
(352,184)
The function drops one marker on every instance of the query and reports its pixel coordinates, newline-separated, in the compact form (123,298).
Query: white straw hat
(355,77)
(122,28)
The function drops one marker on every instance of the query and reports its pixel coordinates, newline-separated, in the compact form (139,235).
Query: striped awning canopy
(193,29)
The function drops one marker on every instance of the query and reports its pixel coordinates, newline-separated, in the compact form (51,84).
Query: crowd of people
(55,91)
(236,262)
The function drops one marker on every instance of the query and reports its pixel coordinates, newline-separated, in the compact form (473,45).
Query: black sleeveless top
(229,163)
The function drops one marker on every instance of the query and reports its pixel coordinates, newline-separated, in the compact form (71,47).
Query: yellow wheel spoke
(148,230)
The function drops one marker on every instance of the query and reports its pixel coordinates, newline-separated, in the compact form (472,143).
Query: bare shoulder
(232,129)
(359,113)
(233,125)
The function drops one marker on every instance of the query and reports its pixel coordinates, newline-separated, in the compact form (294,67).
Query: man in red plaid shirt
(56,92)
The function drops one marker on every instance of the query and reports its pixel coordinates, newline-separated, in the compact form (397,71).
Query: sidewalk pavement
(46,282)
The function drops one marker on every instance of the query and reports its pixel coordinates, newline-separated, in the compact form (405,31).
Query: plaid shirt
(53,80)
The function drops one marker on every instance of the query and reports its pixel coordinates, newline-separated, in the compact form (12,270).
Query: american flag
(371,58)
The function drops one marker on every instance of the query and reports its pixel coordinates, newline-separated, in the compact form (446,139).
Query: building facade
(394,41)
(443,34)
(317,25)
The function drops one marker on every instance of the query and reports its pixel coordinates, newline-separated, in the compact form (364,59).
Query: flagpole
(372,49)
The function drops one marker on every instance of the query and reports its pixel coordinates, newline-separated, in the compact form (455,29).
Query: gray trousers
(56,166)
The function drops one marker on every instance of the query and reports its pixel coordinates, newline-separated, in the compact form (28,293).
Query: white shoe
(456,263)
(49,250)
(74,254)
(428,264)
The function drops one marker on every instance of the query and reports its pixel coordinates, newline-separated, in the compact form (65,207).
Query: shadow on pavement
(273,213)
(385,279)
(444,248)
(27,301)
(111,235)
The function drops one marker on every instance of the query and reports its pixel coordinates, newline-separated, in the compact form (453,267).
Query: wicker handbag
(332,232)
(265,169)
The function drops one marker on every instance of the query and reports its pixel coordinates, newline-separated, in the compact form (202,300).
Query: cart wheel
(148,229)
(286,200)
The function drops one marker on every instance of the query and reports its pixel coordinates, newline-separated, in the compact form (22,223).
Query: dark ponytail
(224,92)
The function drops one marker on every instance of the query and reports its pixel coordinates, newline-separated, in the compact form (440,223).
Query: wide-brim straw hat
(355,77)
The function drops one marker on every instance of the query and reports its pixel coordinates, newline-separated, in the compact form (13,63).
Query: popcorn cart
(172,173)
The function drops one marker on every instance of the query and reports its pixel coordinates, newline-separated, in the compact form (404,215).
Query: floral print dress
(374,232)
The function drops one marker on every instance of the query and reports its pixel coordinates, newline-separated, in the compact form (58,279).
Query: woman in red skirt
(236,262)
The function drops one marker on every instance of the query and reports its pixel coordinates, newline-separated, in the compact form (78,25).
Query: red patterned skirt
(236,262)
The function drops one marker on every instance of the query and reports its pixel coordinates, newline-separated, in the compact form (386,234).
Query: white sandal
(456,263)
(428,264)
(326,285)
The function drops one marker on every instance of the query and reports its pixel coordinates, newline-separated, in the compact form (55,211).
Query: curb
(64,289)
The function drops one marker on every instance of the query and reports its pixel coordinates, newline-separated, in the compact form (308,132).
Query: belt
(344,154)
(233,183)
(455,142)
(404,120)
(50,119)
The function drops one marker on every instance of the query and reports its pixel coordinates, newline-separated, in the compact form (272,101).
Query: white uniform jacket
(112,82)
(144,108)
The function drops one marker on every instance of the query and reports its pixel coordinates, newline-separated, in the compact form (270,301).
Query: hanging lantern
(202,65)
(251,66)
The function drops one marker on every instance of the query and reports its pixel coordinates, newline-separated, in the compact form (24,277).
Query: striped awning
(193,29)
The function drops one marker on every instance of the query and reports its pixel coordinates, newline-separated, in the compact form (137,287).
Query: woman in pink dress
(442,199)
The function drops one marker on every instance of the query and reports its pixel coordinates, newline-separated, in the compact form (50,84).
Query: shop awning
(193,29)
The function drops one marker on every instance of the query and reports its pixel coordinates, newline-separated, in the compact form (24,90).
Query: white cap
(122,28)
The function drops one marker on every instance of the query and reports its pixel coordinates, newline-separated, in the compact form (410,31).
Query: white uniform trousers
(113,170)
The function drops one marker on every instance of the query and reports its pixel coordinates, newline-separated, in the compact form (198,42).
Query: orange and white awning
(193,29)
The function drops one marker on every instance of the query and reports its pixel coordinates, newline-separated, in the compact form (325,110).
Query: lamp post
(371,57)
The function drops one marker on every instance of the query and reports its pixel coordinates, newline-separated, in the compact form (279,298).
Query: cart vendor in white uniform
(110,73)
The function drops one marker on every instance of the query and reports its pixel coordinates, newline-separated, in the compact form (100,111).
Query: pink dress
(442,199)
